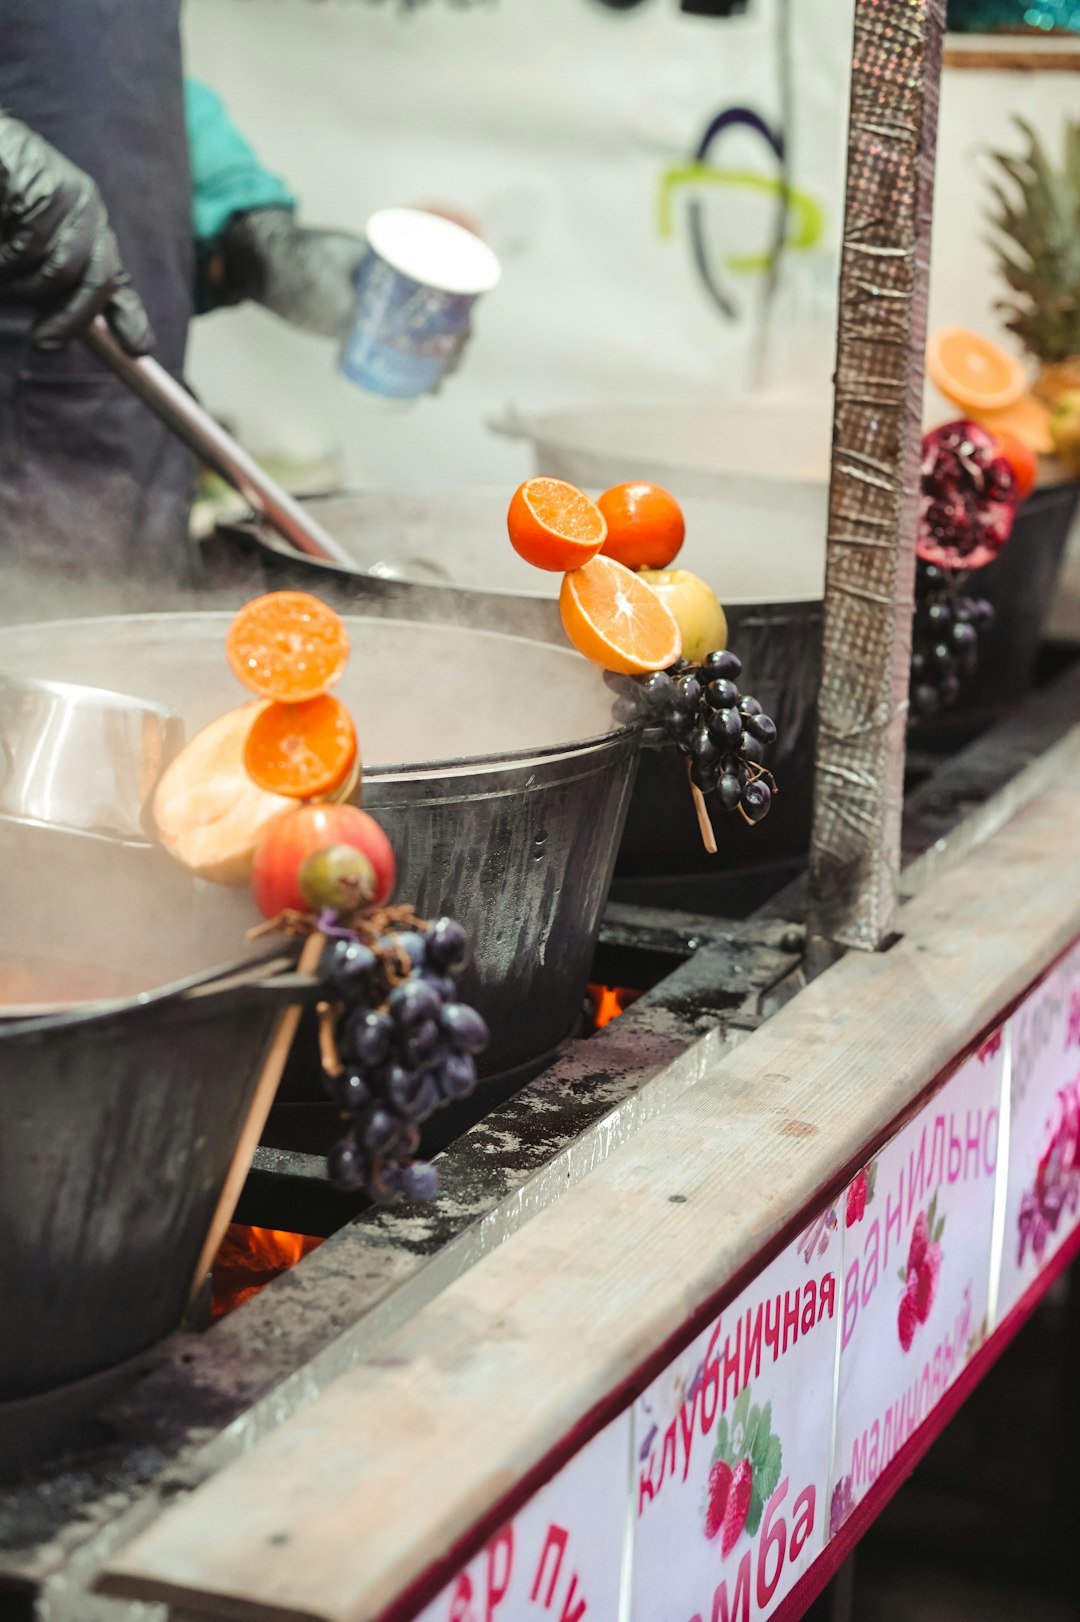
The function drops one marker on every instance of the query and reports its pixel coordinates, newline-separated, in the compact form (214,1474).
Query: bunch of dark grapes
(944,639)
(400,1046)
(723,732)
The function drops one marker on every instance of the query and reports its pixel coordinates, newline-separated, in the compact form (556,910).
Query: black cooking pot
(1020,582)
(120,1122)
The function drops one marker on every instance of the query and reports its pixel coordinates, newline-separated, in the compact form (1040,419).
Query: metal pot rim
(251,530)
(461,765)
(264,978)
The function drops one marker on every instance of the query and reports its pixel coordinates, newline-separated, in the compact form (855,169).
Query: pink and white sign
(1042,1204)
(562,1555)
(732,1445)
(721,1486)
(918,1223)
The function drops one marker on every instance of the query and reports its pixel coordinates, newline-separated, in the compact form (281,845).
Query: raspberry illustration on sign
(920,1276)
(744,1474)
(1056,1191)
(860,1194)
(843,1502)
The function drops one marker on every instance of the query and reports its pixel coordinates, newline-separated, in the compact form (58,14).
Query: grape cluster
(401,1046)
(724,733)
(944,639)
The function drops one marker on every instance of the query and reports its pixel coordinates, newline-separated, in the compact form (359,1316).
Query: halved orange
(301,750)
(287,646)
(554,525)
(617,619)
(1027,419)
(974,371)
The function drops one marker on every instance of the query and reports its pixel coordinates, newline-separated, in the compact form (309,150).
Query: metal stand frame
(873,497)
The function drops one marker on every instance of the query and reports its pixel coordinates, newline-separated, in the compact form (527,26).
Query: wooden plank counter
(393,1477)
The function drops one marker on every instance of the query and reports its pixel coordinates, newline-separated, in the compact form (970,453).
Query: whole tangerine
(645,525)
(1023,461)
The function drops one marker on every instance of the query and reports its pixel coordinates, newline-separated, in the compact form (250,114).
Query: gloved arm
(250,246)
(57,248)
(305,276)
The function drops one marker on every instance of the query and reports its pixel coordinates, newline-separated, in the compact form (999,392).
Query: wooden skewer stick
(263,1097)
(328,1052)
(708,838)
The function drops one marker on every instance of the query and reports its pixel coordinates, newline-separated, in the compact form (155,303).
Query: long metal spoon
(170,401)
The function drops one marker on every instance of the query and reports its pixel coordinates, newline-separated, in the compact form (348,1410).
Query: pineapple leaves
(1035,218)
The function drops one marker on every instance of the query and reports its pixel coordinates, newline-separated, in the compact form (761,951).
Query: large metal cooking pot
(120,1122)
(493,763)
(444,556)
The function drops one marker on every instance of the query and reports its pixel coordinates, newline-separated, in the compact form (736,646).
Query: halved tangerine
(616,619)
(554,525)
(973,371)
(287,646)
(302,750)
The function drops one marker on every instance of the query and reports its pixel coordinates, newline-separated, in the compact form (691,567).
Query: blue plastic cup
(415,290)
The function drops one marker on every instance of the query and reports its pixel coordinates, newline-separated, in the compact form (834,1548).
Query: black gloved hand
(305,276)
(57,248)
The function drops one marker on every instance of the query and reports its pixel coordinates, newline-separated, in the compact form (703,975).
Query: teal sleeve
(227,178)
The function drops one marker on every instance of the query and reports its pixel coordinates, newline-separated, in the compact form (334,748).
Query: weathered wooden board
(347,1504)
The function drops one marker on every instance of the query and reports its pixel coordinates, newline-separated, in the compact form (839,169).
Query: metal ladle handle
(170,401)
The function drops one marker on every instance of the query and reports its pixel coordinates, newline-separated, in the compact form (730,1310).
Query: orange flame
(609,1002)
(247,1261)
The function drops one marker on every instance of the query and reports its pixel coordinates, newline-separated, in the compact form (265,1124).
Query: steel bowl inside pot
(81,759)
(492,761)
(763,554)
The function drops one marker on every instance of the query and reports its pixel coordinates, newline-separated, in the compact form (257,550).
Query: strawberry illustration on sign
(720,1477)
(860,1194)
(745,1472)
(920,1276)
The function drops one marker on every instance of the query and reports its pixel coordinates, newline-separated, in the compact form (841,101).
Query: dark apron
(91,485)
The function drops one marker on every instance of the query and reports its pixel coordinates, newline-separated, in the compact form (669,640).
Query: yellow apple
(696,608)
(1065,429)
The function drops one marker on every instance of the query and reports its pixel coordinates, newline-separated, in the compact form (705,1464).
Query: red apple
(298,834)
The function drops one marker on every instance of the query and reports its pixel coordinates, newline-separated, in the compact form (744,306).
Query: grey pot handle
(172,403)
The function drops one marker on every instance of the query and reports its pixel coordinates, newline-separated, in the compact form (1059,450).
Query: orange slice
(973,371)
(287,646)
(301,750)
(554,525)
(1027,420)
(616,619)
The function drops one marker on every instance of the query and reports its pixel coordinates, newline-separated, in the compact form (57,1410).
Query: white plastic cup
(415,290)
